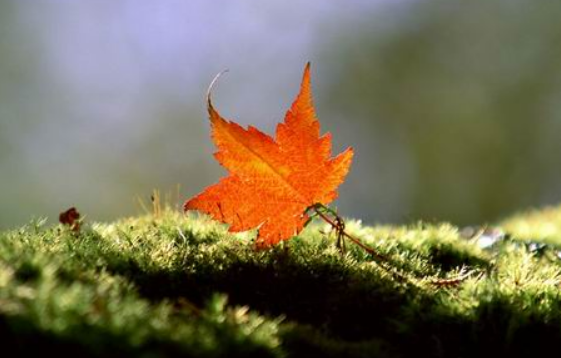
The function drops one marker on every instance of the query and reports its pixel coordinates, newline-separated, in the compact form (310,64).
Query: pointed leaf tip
(306,77)
(210,87)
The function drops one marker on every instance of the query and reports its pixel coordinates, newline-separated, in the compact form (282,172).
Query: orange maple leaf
(272,181)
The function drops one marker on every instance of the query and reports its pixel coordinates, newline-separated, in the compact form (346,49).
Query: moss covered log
(174,285)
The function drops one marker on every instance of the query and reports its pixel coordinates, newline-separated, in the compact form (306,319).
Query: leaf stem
(339,227)
(383,261)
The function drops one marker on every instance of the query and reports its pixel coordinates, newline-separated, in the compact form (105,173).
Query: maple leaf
(272,181)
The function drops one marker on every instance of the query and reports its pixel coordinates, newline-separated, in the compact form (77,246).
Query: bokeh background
(453,107)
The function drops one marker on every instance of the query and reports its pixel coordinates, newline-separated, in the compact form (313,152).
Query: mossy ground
(176,285)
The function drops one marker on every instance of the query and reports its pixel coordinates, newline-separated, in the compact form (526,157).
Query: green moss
(182,286)
(539,225)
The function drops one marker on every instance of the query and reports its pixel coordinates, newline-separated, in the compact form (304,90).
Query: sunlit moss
(543,225)
(181,285)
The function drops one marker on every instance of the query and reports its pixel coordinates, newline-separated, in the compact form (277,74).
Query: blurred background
(453,107)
